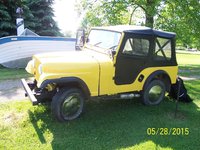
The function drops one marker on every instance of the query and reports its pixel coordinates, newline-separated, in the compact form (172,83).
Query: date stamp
(168,131)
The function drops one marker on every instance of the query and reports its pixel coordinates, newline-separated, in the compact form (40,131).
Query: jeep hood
(65,57)
(69,61)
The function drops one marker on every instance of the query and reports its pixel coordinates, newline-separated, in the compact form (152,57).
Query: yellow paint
(107,85)
(85,65)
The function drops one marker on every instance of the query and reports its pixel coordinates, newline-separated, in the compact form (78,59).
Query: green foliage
(182,17)
(91,18)
(38,16)
(4,19)
(7,24)
(113,12)
(150,8)
(28,16)
(43,17)
(102,13)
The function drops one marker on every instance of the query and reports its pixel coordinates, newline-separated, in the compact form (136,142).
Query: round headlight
(40,69)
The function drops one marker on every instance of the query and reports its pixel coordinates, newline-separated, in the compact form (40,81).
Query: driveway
(11,90)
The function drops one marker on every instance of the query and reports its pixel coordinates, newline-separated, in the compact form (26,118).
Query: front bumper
(29,93)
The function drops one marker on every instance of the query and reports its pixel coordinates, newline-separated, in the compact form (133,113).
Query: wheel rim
(71,107)
(155,94)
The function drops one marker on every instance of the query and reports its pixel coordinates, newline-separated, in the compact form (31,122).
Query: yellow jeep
(115,62)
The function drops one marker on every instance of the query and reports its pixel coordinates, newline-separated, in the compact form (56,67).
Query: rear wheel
(67,104)
(154,92)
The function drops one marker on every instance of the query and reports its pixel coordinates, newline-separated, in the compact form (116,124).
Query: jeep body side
(115,61)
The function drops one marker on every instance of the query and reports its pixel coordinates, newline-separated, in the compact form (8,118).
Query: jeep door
(133,56)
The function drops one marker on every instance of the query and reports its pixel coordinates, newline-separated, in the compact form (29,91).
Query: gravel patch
(11,90)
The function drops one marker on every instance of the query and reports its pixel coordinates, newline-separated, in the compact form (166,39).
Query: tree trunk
(150,12)
(149,20)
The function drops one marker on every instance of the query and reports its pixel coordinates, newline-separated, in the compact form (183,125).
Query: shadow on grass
(189,66)
(189,70)
(116,124)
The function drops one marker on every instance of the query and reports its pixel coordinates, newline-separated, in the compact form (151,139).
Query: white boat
(16,51)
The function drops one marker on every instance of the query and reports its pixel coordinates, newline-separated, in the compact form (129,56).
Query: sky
(65,15)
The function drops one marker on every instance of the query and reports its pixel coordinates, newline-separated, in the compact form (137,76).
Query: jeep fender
(161,75)
(67,82)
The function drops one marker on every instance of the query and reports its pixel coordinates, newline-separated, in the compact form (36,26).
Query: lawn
(188,59)
(113,124)
(7,74)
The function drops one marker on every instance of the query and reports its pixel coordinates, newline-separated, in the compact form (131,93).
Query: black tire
(63,102)
(154,92)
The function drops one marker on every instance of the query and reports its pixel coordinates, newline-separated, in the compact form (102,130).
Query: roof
(138,30)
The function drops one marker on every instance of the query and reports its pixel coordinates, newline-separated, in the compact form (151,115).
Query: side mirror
(80,39)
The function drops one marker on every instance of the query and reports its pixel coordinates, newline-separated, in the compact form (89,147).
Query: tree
(182,17)
(28,16)
(101,13)
(149,7)
(43,17)
(38,16)
(114,12)
(85,9)
(5,20)
(8,15)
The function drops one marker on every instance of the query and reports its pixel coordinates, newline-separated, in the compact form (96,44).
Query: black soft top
(138,30)
(153,32)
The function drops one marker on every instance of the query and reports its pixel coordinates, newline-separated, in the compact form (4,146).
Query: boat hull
(16,51)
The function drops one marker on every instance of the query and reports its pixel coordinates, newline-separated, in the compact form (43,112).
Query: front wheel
(154,92)
(67,104)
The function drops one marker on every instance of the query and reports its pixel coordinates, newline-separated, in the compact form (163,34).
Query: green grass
(189,70)
(6,74)
(188,59)
(113,124)
(189,64)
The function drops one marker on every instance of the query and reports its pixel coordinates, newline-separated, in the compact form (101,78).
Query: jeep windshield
(103,39)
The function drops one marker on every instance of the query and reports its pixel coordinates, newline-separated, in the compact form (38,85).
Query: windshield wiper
(112,50)
(97,43)
(113,47)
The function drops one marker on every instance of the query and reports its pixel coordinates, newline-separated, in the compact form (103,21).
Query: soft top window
(136,46)
(163,49)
